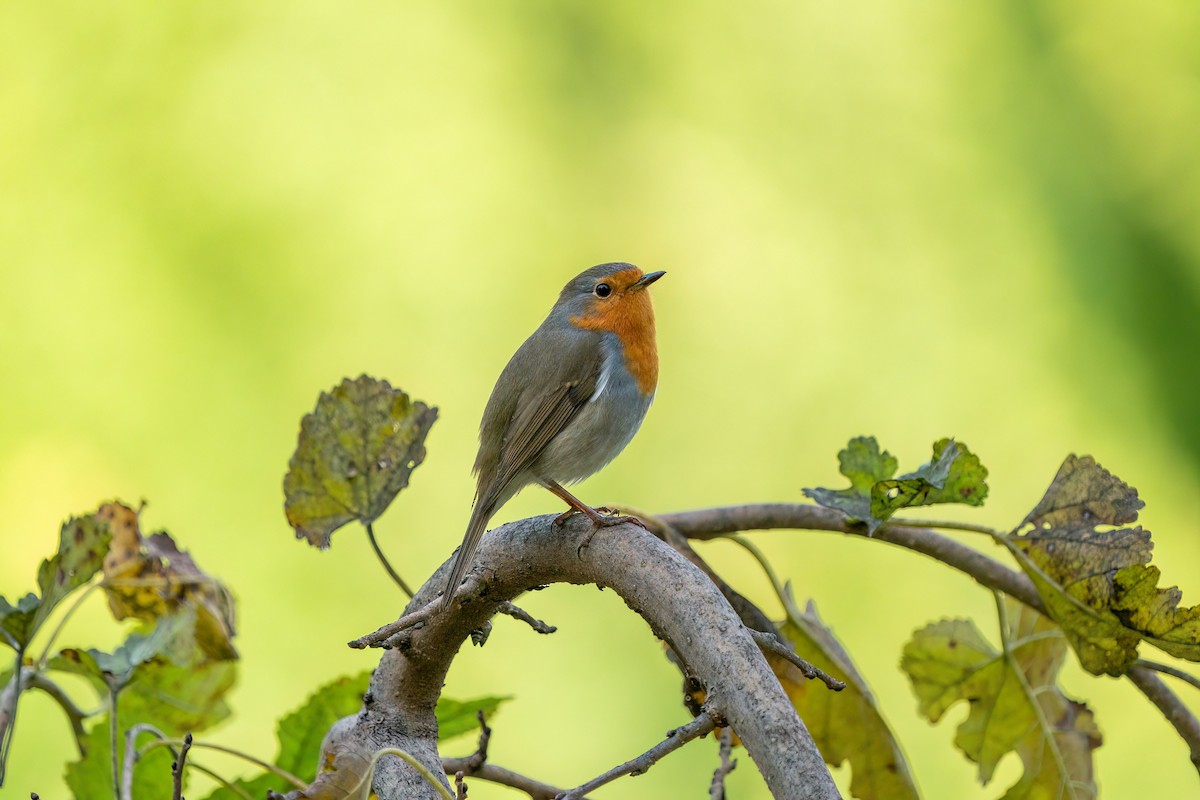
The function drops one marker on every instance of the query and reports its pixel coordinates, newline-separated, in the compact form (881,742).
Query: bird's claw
(599,522)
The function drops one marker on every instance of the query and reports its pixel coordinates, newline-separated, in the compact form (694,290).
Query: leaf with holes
(865,465)
(356,452)
(1014,702)
(1096,580)
(954,475)
(847,726)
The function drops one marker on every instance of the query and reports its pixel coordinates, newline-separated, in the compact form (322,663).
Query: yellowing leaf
(356,451)
(846,725)
(1014,702)
(1095,580)
(149,578)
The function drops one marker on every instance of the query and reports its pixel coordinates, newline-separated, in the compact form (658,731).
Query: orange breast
(630,316)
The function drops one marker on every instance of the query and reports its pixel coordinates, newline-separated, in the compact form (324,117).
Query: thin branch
(62,621)
(523,615)
(460,786)
(177,768)
(113,735)
(385,635)
(772,644)
(716,789)
(676,739)
(504,777)
(476,766)
(132,756)
(1166,669)
(485,736)
(38,680)
(1171,707)
(387,565)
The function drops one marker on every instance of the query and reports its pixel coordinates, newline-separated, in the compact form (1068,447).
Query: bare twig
(132,755)
(505,777)
(460,786)
(476,766)
(716,789)
(385,636)
(485,736)
(772,644)
(387,565)
(177,768)
(523,615)
(676,739)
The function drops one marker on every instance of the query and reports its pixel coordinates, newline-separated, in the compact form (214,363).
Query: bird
(568,401)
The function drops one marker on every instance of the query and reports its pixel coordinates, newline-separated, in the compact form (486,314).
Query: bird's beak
(647,279)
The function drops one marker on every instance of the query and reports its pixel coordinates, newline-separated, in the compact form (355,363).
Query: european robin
(570,399)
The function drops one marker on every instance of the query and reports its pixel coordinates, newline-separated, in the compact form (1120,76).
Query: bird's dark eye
(603,290)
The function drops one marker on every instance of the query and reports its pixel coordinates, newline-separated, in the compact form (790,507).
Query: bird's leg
(579,507)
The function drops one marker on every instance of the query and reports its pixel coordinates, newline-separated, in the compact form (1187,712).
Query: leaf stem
(386,564)
(1030,695)
(363,789)
(785,597)
(62,622)
(943,525)
(282,773)
(1166,669)
(113,732)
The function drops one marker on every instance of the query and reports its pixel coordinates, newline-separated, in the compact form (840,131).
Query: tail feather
(462,562)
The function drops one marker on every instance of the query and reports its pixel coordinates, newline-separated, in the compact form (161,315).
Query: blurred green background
(908,220)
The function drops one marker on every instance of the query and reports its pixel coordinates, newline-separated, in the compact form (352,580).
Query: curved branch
(711,523)
(682,606)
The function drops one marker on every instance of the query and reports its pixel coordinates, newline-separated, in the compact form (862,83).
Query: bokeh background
(908,220)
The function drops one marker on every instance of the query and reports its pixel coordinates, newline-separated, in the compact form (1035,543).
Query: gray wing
(558,380)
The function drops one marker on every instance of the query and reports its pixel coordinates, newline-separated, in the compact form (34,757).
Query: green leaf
(355,453)
(1014,702)
(846,725)
(865,465)
(90,777)
(82,543)
(1096,583)
(456,717)
(16,622)
(113,671)
(179,699)
(301,732)
(954,475)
